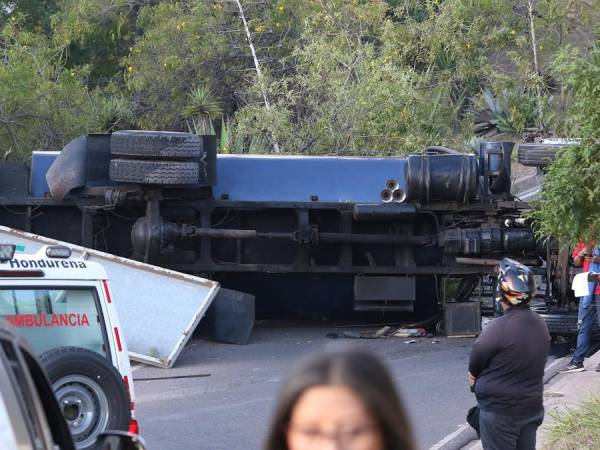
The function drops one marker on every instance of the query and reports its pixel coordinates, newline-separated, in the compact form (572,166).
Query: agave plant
(224,144)
(201,111)
(511,112)
(494,119)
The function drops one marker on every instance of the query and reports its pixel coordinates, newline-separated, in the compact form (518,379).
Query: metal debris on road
(410,332)
(383,332)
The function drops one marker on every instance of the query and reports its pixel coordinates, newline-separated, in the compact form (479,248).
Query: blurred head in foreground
(344,400)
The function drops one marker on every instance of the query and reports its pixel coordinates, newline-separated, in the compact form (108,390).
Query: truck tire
(90,392)
(537,155)
(156,144)
(154,172)
(565,324)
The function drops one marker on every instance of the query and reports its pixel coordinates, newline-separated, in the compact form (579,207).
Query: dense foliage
(570,203)
(297,76)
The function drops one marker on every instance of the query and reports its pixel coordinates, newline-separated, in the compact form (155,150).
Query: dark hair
(360,371)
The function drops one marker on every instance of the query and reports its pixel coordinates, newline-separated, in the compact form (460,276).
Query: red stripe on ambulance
(118,338)
(106,291)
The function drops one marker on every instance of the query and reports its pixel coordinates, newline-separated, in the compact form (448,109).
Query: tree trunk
(256,64)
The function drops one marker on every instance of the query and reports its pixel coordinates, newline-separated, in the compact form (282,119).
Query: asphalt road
(221,396)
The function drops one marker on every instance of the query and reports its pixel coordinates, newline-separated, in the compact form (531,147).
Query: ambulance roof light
(7,251)
(58,251)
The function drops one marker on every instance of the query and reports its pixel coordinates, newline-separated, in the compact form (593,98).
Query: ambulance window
(55,317)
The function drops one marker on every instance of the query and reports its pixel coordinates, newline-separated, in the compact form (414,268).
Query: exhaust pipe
(392,185)
(398,195)
(386,196)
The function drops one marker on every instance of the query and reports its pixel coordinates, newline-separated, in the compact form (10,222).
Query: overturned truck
(319,234)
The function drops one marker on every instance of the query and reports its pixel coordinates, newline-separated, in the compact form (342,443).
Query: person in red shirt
(582,257)
(587,256)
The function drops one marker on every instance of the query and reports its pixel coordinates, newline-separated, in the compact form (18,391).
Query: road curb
(554,369)
(462,437)
(465,435)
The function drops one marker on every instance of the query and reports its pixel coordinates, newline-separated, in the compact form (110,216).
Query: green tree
(174,56)
(96,34)
(191,43)
(321,76)
(350,91)
(570,203)
(43,104)
(34,15)
(500,47)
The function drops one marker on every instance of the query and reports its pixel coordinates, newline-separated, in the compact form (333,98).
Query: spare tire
(90,392)
(538,155)
(156,144)
(154,172)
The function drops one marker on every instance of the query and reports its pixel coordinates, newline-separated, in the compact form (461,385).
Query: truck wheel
(537,155)
(90,392)
(154,172)
(156,144)
(565,324)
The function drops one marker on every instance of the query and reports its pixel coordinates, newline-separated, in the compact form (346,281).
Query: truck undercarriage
(319,234)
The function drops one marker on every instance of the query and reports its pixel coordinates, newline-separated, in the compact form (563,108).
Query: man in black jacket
(507,365)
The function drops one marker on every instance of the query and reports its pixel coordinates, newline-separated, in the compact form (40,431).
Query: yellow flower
(280,7)
(513,32)
(260,28)
(130,69)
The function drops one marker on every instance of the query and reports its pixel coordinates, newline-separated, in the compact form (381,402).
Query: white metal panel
(158,308)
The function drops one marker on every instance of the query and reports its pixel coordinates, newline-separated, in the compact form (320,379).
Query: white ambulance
(62,306)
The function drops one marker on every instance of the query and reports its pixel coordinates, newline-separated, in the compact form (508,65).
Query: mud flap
(230,318)
(69,169)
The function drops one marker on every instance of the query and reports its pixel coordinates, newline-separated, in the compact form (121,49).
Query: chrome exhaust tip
(392,185)
(398,195)
(386,196)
